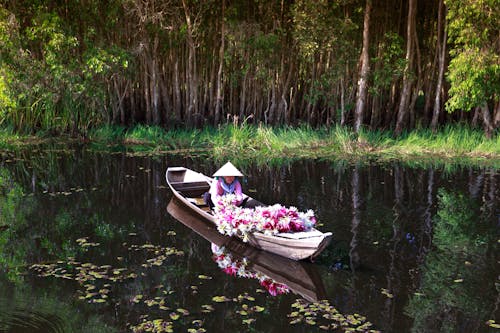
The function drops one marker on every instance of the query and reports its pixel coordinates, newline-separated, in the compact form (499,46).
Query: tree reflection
(453,295)
(13,211)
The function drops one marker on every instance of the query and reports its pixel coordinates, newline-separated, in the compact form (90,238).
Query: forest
(68,66)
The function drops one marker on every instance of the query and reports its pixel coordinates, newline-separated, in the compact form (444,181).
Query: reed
(263,143)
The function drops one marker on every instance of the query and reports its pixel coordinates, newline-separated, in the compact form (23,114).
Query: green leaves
(474,70)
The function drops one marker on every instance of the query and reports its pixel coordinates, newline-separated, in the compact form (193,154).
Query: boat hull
(188,186)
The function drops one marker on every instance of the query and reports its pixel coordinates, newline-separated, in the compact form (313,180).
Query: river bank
(452,144)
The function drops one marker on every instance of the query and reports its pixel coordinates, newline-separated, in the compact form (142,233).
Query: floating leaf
(137,298)
(386,293)
(310,322)
(207,308)
(204,277)
(199,330)
(492,323)
(295,321)
(258,308)
(174,315)
(248,321)
(99,300)
(458,280)
(183,311)
(197,322)
(220,299)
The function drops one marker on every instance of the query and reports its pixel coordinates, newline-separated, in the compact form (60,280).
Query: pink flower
(274,288)
(231,270)
(219,257)
(283,226)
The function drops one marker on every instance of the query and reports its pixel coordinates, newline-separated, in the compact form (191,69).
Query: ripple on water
(22,319)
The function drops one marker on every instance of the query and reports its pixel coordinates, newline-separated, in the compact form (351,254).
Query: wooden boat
(188,186)
(302,278)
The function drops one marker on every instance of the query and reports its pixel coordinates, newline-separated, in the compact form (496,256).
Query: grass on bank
(262,142)
(265,143)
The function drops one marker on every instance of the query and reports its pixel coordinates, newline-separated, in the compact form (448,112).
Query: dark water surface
(88,243)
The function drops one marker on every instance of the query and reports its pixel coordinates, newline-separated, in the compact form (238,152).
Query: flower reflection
(240,268)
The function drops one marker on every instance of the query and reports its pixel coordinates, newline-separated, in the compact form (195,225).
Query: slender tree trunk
(418,86)
(496,122)
(286,89)
(488,125)
(407,78)
(146,91)
(342,102)
(218,98)
(442,56)
(177,92)
(190,68)
(243,96)
(365,69)
(155,87)
(272,108)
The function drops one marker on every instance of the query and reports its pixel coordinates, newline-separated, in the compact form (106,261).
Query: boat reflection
(276,273)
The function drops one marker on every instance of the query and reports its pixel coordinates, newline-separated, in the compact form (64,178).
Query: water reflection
(275,273)
(415,249)
(27,320)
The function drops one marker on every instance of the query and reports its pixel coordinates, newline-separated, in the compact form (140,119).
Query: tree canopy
(67,66)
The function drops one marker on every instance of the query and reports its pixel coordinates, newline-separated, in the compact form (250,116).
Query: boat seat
(191,189)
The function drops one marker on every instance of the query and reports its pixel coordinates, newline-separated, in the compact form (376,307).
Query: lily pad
(220,299)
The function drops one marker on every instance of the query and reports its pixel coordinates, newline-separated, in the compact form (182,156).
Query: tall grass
(243,141)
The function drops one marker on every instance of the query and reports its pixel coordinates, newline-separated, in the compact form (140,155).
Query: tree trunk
(488,125)
(272,108)
(407,78)
(441,47)
(365,69)
(155,87)
(496,122)
(190,68)
(284,107)
(342,102)
(146,91)
(177,92)
(218,98)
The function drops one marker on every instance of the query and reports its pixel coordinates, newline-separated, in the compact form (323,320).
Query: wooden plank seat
(192,189)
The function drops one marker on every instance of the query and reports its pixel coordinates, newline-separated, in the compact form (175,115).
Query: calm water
(88,243)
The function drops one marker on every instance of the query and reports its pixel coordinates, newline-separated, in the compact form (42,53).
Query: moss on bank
(452,144)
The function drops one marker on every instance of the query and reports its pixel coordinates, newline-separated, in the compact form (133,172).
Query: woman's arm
(238,192)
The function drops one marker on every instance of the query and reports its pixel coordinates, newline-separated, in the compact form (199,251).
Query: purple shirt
(217,190)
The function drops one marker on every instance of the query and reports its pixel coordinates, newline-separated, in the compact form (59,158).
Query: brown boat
(188,186)
(299,277)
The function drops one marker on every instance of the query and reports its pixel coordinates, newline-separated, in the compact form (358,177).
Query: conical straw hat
(228,169)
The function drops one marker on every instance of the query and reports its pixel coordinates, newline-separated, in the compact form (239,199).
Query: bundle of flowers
(240,268)
(233,220)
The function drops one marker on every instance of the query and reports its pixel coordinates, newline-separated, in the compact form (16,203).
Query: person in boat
(226,182)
